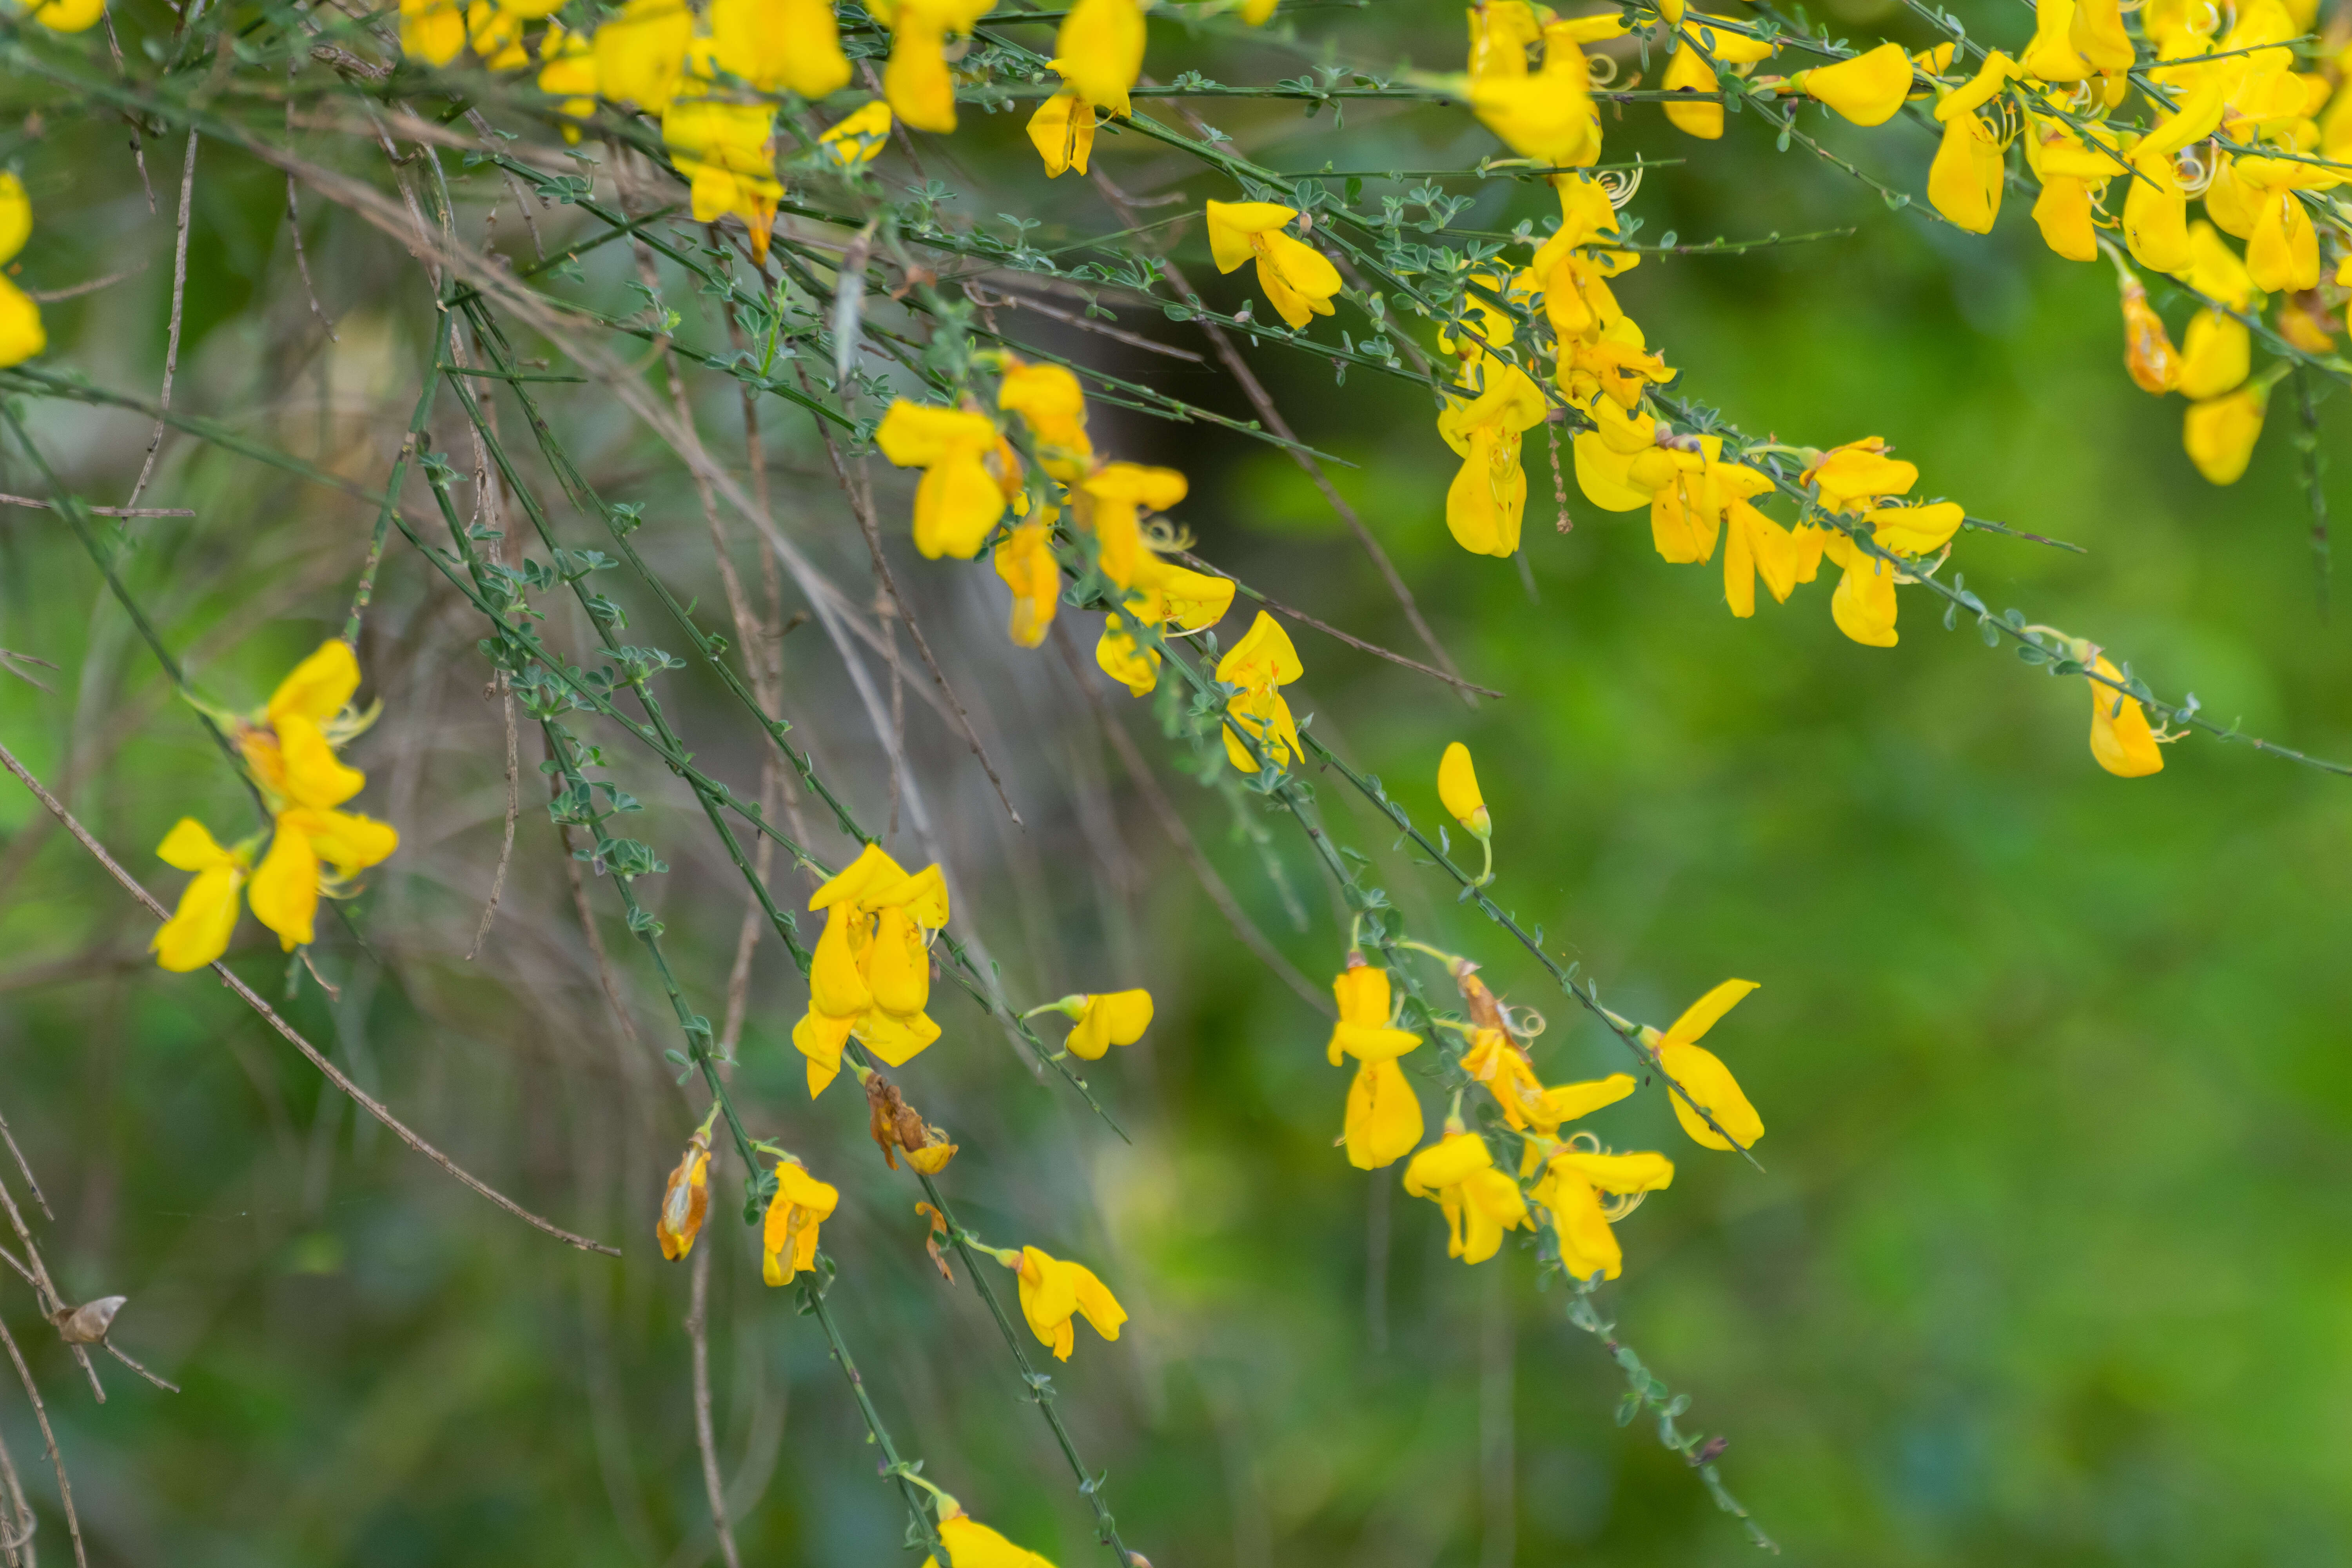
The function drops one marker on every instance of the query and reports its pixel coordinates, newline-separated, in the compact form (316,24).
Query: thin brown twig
(1327,629)
(514,807)
(172,338)
(10,1138)
(269,1015)
(50,1438)
(35,504)
(45,1289)
(698,1333)
(162,1383)
(76,290)
(977,295)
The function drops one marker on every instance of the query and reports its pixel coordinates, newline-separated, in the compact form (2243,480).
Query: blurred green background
(2047,1262)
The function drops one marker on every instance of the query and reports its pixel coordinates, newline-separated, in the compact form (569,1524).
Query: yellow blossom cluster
(314,849)
(1569,1183)
(871,976)
(972,475)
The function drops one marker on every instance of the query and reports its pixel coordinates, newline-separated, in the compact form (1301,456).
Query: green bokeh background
(2046,1262)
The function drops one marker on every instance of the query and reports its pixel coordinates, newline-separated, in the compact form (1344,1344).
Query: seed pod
(2149,353)
(87,1324)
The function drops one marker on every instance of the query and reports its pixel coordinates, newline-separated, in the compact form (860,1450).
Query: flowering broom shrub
(707,312)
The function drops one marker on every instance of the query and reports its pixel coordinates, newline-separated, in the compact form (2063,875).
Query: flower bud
(1457,787)
(687,1199)
(2149,353)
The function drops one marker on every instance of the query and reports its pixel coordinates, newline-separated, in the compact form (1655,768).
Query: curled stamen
(1583,1142)
(1618,1206)
(1594,62)
(1620,186)
(2195,170)
(1525,1022)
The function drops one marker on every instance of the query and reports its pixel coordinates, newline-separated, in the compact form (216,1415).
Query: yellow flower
(1261,663)
(568,70)
(68,15)
(1966,177)
(289,746)
(728,153)
(1570,1191)
(1864,606)
(1100,51)
(1754,545)
(1063,131)
(21,333)
(307,842)
(2283,252)
(917,81)
(973,1545)
(1025,559)
(2155,214)
(1867,89)
(2120,738)
(959,499)
(1852,476)
(1689,71)
(1110,503)
(1457,790)
(433,31)
(2215,354)
(1699,1072)
(1298,280)
(857,138)
(2219,434)
(198,931)
(2051,56)
(1052,1292)
(290,750)
(2074,174)
(1053,406)
(1481,1203)
(871,973)
(788,1238)
(1113,1018)
(2148,355)
(495,34)
(1501,32)
(1163,595)
(1384,1122)
(1546,115)
(686,1199)
(770,44)
(1489,493)
(2098,34)
(1257,12)
(641,52)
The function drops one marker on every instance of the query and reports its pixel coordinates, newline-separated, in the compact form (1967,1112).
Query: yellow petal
(190,846)
(199,930)
(2120,738)
(1867,89)
(2219,434)
(319,686)
(285,892)
(1703,1015)
(1457,788)
(897,1040)
(1384,1122)
(1709,1083)
(1114,1018)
